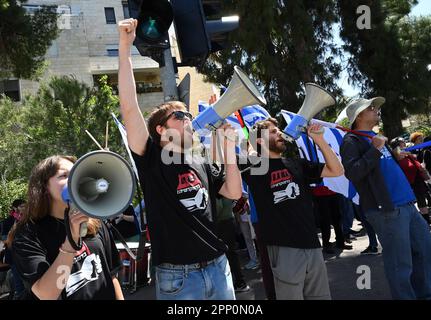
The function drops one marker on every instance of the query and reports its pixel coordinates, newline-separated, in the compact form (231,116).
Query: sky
(422,8)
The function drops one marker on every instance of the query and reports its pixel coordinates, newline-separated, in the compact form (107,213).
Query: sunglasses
(178,115)
(373,108)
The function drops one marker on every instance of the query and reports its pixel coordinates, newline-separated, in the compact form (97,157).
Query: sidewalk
(342,272)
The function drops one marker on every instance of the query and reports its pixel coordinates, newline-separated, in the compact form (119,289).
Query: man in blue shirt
(388,203)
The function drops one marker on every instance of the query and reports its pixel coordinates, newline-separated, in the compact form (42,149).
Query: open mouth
(188,128)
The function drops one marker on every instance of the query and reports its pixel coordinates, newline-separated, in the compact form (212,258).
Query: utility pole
(167,74)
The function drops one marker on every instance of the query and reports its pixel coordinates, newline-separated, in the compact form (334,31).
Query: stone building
(87,48)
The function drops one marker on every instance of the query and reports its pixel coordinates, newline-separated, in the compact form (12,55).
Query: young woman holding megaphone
(49,266)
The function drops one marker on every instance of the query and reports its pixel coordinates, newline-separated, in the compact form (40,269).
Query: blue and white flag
(419,146)
(334,137)
(251,115)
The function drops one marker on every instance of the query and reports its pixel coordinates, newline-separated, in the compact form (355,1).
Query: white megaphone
(316,99)
(101,184)
(240,92)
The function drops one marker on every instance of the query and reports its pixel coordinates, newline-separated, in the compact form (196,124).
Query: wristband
(65,251)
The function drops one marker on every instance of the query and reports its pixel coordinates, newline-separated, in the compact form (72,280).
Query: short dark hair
(395,142)
(158,116)
(17,202)
(262,125)
(353,125)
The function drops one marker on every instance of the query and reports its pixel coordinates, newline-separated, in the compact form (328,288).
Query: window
(31,8)
(112,50)
(110,16)
(53,50)
(11,89)
(126,11)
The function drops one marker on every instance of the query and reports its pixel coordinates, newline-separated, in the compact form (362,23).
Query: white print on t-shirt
(291,192)
(90,270)
(198,202)
(279,179)
(190,183)
(385,153)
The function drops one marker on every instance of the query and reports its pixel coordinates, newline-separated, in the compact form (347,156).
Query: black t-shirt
(180,205)
(7,225)
(284,203)
(36,246)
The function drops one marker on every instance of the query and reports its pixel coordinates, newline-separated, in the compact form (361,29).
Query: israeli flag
(251,115)
(334,138)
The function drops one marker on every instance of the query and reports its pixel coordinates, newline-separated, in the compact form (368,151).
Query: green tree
(54,121)
(415,40)
(281,45)
(12,142)
(24,39)
(389,59)
(10,191)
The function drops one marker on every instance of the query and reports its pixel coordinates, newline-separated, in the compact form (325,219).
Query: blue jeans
(18,284)
(406,241)
(187,282)
(368,227)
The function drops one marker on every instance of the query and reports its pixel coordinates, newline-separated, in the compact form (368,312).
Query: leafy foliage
(25,38)
(54,122)
(390,59)
(9,191)
(281,45)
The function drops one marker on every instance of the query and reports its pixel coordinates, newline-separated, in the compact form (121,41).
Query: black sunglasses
(179,115)
(373,108)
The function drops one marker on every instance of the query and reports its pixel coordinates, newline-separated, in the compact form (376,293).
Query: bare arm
(333,166)
(54,280)
(137,132)
(117,287)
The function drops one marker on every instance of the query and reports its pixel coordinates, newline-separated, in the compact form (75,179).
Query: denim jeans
(368,227)
(18,284)
(406,241)
(185,282)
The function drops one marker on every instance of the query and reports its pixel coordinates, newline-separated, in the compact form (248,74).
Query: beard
(187,138)
(277,145)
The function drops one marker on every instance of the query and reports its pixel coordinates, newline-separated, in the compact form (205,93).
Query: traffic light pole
(167,74)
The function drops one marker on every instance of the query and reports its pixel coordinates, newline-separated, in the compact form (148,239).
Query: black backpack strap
(142,232)
(198,228)
(117,234)
(292,166)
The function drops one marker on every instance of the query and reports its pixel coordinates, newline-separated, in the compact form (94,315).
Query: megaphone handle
(83,229)
(309,146)
(72,242)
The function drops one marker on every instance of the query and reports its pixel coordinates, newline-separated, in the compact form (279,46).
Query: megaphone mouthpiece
(91,188)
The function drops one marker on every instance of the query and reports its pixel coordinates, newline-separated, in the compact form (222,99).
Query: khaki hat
(355,107)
